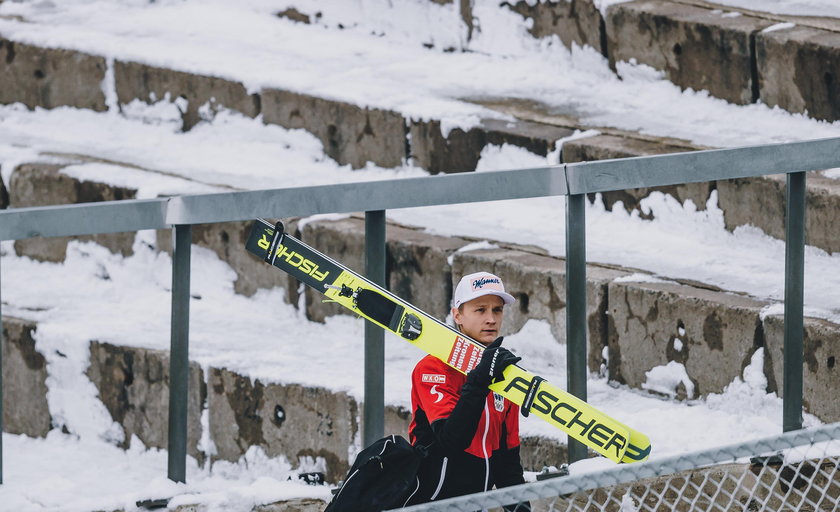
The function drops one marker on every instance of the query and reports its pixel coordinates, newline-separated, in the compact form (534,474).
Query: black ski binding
(411,327)
(343,290)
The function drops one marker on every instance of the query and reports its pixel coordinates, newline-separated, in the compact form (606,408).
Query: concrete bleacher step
(718,330)
(355,135)
(702,45)
(639,323)
(301,423)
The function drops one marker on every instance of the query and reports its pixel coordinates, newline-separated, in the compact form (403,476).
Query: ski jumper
(473,433)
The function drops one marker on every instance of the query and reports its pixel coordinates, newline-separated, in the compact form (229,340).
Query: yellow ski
(578,419)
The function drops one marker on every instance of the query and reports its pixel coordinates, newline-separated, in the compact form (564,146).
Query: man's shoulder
(431,364)
(431,370)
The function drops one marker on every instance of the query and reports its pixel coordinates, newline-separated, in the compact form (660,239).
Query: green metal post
(179,370)
(576,306)
(374,406)
(794,297)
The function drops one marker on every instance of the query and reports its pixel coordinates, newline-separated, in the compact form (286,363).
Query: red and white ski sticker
(434,378)
(464,355)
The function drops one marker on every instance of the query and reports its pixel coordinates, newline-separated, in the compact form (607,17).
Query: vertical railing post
(576,306)
(179,370)
(374,405)
(2,345)
(794,297)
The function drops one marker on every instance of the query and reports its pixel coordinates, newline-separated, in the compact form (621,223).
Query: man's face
(481,318)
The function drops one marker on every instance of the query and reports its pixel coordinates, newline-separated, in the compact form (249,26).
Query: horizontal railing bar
(600,176)
(369,195)
(83,218)
(701,166)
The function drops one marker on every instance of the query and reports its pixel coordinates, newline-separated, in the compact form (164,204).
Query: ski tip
(638,449)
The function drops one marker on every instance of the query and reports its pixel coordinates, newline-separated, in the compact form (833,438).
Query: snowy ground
(95,295)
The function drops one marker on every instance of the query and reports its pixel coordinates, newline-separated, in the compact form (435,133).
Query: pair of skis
(533,394)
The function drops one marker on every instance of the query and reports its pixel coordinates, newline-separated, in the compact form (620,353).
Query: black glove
(493,362)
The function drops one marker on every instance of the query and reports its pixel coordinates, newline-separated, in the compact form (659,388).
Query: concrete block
(227,240)
(284,419)
(712,333)
(537,452)
(761,202)
(821,375)
(397,420)
(822,212)
(573,21)
(460,150)
(697,48)
(50,77)
(350,134)
(25,409)
(416,263)
(294,505)
(41,184)
(133,384)
(798,70)
(149,84)
(539,284)
(418,269)
(606,147)
(4,196)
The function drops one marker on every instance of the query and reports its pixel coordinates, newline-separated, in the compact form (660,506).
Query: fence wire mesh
(796,471)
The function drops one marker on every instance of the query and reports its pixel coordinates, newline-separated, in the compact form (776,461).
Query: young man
(473,433)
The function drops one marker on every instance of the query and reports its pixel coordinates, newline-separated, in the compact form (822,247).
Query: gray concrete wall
(133,384)
(539,284)
(606,147)
(761,202)
(821,375)
(289,420)
(42,184)
(697,48)
(24,370)
(459,150)
(227,240)
(758,201)
(575,22)
(4,196)
(151,83)
(712,333)
(351,135)
(798,70)
(50,77)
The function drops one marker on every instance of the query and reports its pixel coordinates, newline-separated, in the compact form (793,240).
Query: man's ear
(456,315)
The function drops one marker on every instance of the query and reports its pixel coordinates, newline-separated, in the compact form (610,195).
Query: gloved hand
(493,362)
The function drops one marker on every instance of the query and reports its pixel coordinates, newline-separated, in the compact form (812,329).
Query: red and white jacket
(473,433)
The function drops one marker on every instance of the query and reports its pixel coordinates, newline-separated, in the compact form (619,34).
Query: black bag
(383,477)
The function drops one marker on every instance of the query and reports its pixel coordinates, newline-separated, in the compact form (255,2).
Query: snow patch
(778,26)
(666,378)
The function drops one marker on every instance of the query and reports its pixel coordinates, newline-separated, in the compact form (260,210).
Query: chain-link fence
(796,471)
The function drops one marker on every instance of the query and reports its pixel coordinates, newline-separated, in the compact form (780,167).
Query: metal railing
(572,180)
(793,471)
